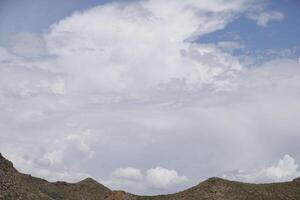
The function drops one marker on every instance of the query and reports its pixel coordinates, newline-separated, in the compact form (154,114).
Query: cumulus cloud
(285,170)
(40,167)
(161,178)
(60,159)
(117,61)
(142,86)
(158,178)
(127,173)
(28,45)
(72,146)
(263,18)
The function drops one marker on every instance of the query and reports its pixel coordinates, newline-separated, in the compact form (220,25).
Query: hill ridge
(6,165)
(15,186)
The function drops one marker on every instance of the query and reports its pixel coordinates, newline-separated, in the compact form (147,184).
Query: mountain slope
(220,189)
(15,186)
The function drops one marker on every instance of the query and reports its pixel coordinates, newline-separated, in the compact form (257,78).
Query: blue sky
(37,16)
(151,96)
(275,36)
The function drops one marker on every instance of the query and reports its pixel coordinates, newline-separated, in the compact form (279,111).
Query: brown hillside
(18,186)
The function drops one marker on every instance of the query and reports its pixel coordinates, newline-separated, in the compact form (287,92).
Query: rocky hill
(17,186)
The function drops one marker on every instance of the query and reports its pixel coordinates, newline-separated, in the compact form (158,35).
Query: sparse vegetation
(18,186)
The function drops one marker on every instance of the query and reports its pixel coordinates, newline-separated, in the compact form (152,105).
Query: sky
(151,96)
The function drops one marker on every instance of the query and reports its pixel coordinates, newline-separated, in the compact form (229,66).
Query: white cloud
(128,54)
(40,168)
(230,45)
(142,87)
(58,87)
(158,178)
(27,45)
(5,55)
(60,159)
(128,173)
(285,170)
(263,18)
(162,178)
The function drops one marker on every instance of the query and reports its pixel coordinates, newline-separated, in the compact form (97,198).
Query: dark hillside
(18,186)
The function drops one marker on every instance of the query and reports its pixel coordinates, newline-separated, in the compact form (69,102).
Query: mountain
(17,186)
(220,189)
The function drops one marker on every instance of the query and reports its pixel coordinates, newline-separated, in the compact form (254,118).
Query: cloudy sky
(151,96)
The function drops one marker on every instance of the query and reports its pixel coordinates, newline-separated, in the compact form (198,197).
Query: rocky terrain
(17,186)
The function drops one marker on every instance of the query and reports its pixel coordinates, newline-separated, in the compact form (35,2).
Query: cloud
(285,170)
(60,159)
(28,45)
(128,92)
(127,173)
(5,55)
(114,57)
(231,45)
(41,168)
(161,178)
(158,178)
(58,87)
(263,18)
